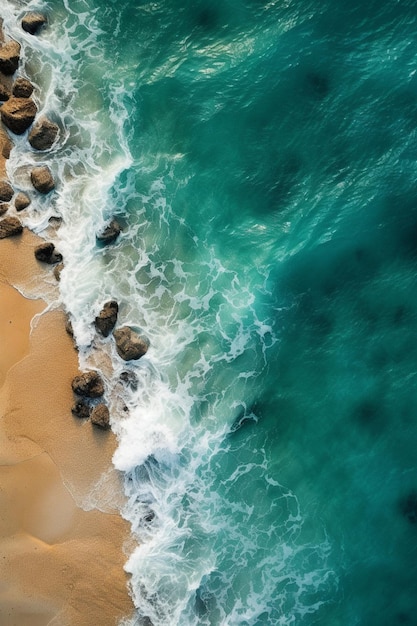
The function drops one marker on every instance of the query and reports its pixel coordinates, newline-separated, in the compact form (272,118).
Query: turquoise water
(261,158)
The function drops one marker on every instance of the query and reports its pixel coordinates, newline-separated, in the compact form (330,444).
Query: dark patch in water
(245,418)
(408,507)
(317,85)
(207,18)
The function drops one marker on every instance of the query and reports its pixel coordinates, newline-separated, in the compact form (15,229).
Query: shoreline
(63,564)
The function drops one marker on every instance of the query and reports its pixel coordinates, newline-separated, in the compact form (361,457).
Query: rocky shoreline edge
(19,114)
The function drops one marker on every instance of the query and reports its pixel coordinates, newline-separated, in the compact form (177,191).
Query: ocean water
(261,157)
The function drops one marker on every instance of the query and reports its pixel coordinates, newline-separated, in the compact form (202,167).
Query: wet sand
(59,564)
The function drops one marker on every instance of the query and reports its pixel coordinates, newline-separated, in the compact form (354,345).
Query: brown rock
(4,207)
(18,114)
(46,253)
(22,88)
(81,409)
(129,344)
(110,233)
(32,22)
(5,144)
(88,385)
(21,201)
(57,273)
(5,92)
(9,57)
(69,328)
(6,191)
(43,134)
(100,416)
(42,179)
(9,227)
(107,318)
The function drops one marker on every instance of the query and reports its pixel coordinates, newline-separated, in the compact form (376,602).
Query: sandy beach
(61,559)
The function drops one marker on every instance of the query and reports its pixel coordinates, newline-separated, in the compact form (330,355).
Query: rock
(100,416)
(42,179)
(57,271)
(10,227)
(46,253)
(18,114)
(32,22)
(107,318)
(88,385)
(21,201)
(130,345)
(110,233)
(130,379)
(81,409)
(4,207)
(5,92)
(409,507)
(9,57)
(5,144)
(43,134)
(22,88)
(6,191)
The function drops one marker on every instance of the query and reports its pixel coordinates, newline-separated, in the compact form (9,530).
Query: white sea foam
(208,343)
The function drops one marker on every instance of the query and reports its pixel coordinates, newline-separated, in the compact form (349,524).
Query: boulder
(100,416)
(4,207)
(18,114)
(107,318)
(81,409)
(22,88)
(57,271)
(129,344)
(6,191)
(110,233)
(88,385)
(9,227)
(9,57)
(42,179)
(32,22)
(5,144)
(46,253)
(43,134)
(5,92)
(21,201)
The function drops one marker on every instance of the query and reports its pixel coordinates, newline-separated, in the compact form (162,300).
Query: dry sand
(59,564)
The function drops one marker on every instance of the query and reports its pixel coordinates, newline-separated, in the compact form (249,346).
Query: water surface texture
(261,157)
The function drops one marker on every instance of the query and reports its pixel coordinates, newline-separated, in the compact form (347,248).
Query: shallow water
(261,158)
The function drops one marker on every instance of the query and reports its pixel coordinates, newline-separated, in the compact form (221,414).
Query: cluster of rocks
(130,345)
(19,114)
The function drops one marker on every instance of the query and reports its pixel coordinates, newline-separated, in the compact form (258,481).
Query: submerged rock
(32,22)
(408,507)
(43,134)
(46,253)
(10,227)
(6,191)
(81,409)
(9,57)
(18,114)
(129,344)
(22,88)
(100,416)
(42,179)
(21,201)
(88,385)
(130,379)
(110,233)
(107,318)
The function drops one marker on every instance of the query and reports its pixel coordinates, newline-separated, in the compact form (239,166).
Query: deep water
(261,157)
